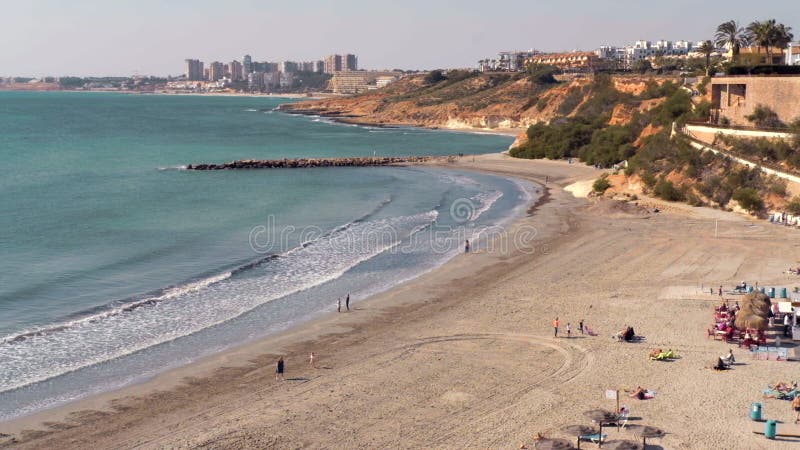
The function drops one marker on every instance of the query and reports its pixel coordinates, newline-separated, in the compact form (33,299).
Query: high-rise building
(319,66)
(333,63)
(216,71)
(235,71)
(194,70)
(287,66)
(247,65)
(350,62)
(255,81)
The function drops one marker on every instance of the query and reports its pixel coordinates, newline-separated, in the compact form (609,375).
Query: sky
(153,37)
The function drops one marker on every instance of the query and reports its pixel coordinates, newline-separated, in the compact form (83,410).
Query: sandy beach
(464,356)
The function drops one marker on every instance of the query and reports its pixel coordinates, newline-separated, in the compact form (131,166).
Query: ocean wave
(172,168)
(485,200)
(199,305)
(251,110)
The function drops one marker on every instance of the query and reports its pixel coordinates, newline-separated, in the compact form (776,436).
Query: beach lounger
(596,438)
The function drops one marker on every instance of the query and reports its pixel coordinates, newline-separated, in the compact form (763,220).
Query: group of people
(280,367)
(581,327)
(346,303)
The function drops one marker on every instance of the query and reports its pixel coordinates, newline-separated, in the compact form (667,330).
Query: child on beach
(555,327)
(569,330)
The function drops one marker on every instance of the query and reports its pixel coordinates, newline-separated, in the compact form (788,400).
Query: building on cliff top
(572,61)
(733,98)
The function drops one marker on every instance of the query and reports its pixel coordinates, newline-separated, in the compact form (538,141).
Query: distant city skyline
(152,37)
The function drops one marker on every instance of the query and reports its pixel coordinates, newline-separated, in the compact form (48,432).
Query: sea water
(116,264)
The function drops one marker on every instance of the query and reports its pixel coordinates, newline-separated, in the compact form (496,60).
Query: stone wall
(736,97)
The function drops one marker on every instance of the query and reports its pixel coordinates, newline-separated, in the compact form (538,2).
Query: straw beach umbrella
(578,431)
(554,444)
(602,416)
(624,445)
(646,431)
(751,321)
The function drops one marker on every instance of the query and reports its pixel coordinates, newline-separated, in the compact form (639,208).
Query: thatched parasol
(646,431)
(601,415)
(623,445)
(751,321)
(578,431)
(554,444)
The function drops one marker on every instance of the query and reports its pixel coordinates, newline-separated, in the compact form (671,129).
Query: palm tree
(783,36)
(731,35)
(763,34)
(707,48)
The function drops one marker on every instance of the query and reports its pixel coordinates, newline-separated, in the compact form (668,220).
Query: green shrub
(433,77)
(763,117)
(793,207)
(664,189)
(601,184)
(749,199)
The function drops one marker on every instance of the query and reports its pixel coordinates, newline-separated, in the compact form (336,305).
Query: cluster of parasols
(602,418)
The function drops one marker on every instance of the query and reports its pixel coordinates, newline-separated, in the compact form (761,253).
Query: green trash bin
(771,429)
(771,292)
(755,411)
(784,293)
(762,290)
(749,289)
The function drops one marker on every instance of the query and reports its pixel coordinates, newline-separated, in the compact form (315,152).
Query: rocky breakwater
(303,163)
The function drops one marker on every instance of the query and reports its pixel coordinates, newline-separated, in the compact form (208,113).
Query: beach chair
(596,438)
(624,416)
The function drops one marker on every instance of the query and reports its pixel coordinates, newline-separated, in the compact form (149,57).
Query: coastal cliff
(491,102)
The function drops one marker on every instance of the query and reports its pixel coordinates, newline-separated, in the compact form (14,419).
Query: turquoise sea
(117,264)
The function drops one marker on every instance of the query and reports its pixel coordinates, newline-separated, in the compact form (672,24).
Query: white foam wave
(200,305)
(484,200)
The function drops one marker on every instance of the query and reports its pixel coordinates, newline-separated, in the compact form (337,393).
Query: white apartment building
(793,54)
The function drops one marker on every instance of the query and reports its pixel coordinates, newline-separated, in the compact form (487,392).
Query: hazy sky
(123,37)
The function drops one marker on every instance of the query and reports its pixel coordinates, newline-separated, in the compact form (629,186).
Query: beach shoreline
(207,365)
(464,356)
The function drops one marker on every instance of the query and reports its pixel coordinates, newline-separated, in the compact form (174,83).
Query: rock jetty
(312,162)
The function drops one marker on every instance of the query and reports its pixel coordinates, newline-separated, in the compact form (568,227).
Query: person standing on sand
(786,324)
(466,246)
(796,408)
(311,360)
(555,327)
(569,330)
(580,326)
(347,301)
(720,291)
(279,369)
(339,305)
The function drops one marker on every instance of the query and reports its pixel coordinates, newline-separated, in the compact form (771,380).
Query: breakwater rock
(312,162)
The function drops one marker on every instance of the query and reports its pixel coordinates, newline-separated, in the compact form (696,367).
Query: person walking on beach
(347,301)
(720,291)
(311,360)
(580,326)
(569,330)
(555,327)
(339,305)
(466,246)
(279,369)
